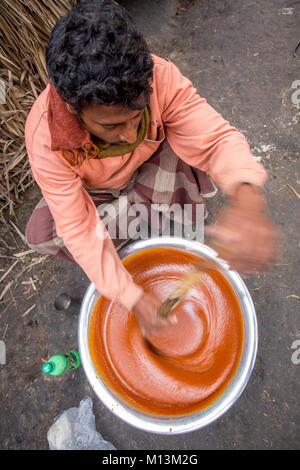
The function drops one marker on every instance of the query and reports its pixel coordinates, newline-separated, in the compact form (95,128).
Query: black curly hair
(95,54)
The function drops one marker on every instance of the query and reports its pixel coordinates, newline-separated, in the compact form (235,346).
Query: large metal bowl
(191,422)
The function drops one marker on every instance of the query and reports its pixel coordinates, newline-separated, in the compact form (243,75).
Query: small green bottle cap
(75,360)
(47,368)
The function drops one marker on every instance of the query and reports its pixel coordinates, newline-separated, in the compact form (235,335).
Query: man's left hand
(244,235)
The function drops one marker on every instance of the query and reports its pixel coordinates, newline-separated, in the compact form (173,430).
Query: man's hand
(244,235)
(149,321)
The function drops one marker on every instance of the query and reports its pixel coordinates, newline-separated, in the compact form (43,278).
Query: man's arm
(199,135)
(78,223)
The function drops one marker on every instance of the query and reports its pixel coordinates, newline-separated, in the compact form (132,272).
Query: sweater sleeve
(80,227)
(202,138)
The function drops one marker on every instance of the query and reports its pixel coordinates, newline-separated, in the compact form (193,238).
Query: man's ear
(70,108)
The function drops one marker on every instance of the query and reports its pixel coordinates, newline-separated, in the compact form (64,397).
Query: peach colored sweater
(196,132)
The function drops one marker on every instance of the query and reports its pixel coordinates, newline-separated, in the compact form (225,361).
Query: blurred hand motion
(244,235)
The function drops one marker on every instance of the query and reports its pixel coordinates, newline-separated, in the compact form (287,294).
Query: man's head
(102,68)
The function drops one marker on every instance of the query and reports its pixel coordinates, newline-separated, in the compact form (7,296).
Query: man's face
(113,124)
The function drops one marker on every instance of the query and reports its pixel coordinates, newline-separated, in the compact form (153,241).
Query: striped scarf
(76,157)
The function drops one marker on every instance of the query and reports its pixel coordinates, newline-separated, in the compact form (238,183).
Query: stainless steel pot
(182,424)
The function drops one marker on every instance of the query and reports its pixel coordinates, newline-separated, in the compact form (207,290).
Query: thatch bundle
(25,26)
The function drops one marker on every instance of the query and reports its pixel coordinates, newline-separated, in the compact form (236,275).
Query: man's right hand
(149,321)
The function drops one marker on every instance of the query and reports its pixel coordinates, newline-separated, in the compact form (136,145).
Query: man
(113,120)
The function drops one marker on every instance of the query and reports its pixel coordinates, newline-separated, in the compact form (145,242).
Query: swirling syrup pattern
(191,362)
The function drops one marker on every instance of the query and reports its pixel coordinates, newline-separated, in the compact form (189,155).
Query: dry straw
(25,26)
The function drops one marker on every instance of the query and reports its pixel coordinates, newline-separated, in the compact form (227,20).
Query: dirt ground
(240,56)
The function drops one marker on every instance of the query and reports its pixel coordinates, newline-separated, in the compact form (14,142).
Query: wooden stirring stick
(188,281)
